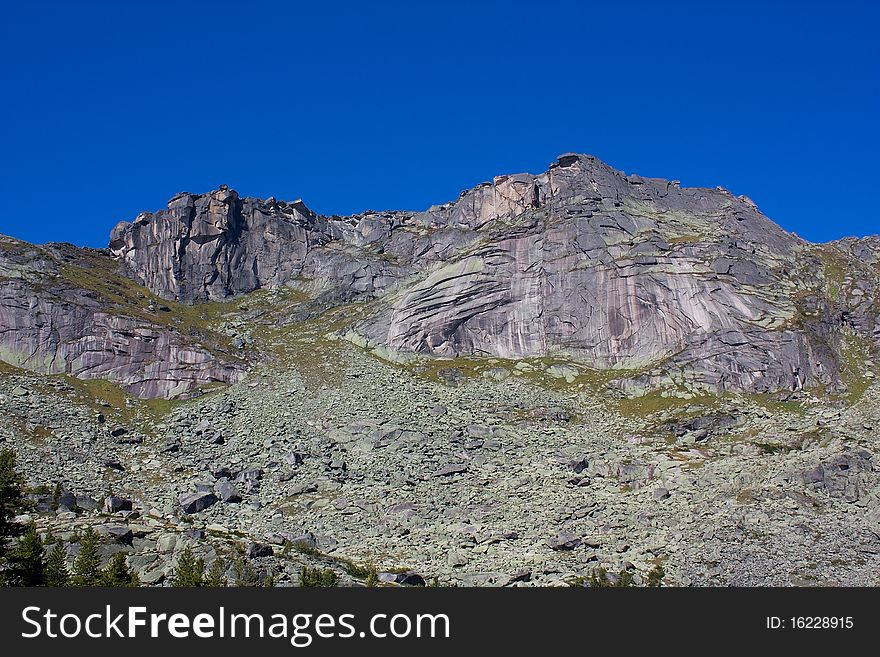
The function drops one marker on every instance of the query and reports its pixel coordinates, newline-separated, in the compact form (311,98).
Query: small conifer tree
(190,571)
(117,573)
(86,566)
(57,573)
(216,576)
(12,500)
(26,565)
(243,573)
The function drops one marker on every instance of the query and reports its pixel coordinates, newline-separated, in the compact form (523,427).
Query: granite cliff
(687,289)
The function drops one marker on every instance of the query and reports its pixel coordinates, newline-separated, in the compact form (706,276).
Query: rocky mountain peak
(690,289)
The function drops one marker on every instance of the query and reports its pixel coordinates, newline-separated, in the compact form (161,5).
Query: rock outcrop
(615,271)
(62,311)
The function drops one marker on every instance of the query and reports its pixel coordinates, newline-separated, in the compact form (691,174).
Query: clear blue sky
(111,108)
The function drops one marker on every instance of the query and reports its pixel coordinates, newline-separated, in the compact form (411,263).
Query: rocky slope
(484,476)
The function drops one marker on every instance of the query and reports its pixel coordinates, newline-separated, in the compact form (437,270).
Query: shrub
(655,576)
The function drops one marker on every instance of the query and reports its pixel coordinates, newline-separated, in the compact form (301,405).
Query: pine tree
(57,573)
(117,573)
(56,495)
(243,572)
(86,566)
(12,500)
(216,576)
(26,566)
(190,571)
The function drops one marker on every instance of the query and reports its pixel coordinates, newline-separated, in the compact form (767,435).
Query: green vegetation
(770,403)
(12,502)
(304,548)
(600,579)
(116,573)
(26,566)
(359,571)
(834,266)
(774,448)
(87,565)
(655,576)
(243,573)
(532,370)
(855,350)
(655,402)
(190,572)
(315,577)
(216,575)
(57,573)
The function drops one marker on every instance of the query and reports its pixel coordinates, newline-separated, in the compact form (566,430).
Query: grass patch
(768,402)
(654,402)
(855,351)
(532,370)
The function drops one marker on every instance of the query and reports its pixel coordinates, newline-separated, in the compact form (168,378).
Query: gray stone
(114,504)
(227,492)
(119,533)
(259,550)
(660,494)
(563,541)
(195,502)
(302,487)
(451,469)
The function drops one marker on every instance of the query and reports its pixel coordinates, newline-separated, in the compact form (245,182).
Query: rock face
(55,322)
(675,286)
(618,272)
(689,289)
(214,246)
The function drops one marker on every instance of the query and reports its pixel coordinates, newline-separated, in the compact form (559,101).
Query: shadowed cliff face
(673,287)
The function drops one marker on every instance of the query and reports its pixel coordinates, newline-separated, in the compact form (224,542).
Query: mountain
(556,379)
(686,289)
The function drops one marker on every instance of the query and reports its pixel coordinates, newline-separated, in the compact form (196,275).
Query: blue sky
(111,108)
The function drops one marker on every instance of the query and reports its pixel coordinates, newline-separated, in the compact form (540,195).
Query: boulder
(196,502)
(563,541)
(115,504)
